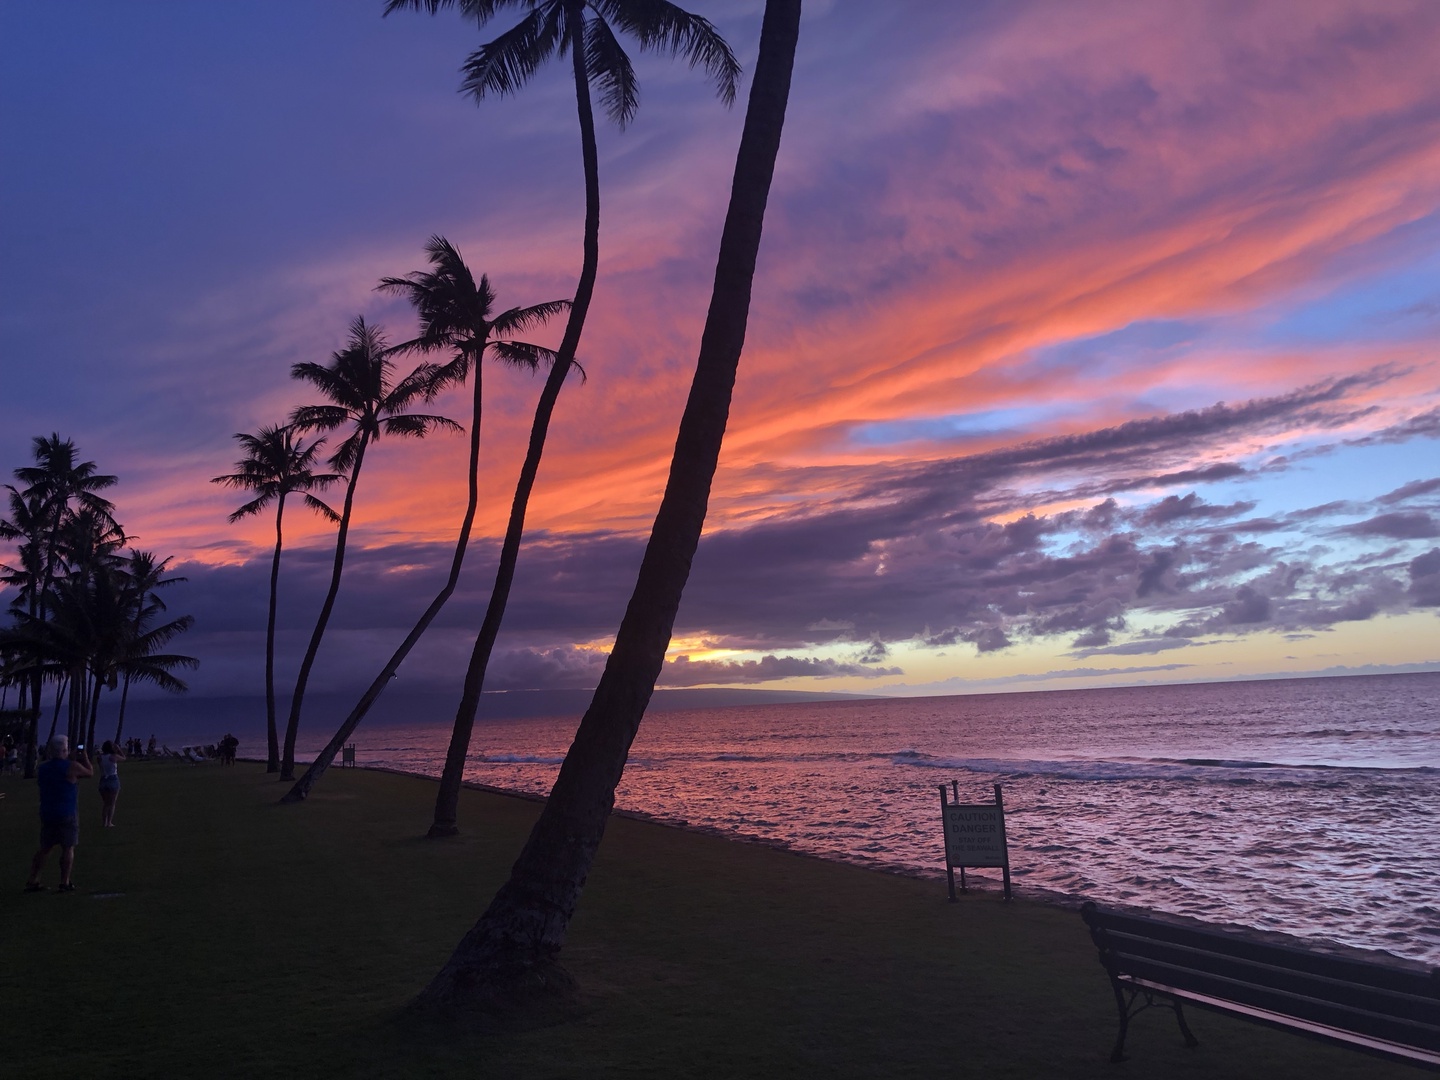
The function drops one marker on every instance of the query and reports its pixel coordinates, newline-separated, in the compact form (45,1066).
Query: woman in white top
(109,767)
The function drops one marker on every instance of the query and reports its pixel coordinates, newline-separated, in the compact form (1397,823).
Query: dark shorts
(110,783)
(62,832)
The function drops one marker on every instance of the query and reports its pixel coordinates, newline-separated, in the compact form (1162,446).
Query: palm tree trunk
(292,725)
(447,800)
(94,711)
(60,684)
(32,748)
(272,735)
(124,694)
(510,957)
(323,760)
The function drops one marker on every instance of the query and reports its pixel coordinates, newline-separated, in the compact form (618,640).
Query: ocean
(1307,806)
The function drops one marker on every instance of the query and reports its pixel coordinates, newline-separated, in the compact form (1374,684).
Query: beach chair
(347,756)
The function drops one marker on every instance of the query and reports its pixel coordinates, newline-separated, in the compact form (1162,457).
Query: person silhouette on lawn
(59,780)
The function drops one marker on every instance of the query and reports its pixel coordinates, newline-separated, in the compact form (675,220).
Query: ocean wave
(1221,770)
(522,759)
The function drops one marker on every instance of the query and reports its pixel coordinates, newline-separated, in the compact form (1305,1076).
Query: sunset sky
(1093,343)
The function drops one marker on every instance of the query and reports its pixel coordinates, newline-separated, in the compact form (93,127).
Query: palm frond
(345,454)
(417,425)
(479,10)
(320,417)
(611,72)
(504,65)
(661,26)
(321,508)
(521,354)
(254,506)
(519,320)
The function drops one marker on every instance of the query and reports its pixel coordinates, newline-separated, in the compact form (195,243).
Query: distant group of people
(227,747)
(134,747)
(10,754)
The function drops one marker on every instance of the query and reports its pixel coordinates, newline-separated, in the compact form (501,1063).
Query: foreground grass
(215,933)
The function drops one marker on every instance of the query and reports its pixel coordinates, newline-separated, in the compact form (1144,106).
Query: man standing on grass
(59,810)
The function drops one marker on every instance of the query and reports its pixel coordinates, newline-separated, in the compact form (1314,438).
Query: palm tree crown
(360,385)
(455,316)
(506,64)
(277,464)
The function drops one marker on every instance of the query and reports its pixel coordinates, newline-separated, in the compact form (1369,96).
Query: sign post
(974,836)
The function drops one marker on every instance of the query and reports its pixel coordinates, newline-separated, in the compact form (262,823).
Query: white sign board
(975,835)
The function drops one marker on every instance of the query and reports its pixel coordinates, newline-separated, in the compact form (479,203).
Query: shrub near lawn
(216,933)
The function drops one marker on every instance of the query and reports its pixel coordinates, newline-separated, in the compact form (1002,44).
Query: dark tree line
(86,612)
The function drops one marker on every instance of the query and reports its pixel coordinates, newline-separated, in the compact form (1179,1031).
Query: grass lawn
(215,933)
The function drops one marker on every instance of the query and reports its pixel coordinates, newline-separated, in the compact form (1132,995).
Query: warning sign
(975,835)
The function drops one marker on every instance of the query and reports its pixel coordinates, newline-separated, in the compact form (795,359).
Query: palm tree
(455,317)
(144,576)
(276,464)
(56,484)
(27,524)
(91,640)
(510,958)
(89,606)
(364,398)
(584,29)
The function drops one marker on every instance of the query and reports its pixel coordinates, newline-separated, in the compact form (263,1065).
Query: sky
(1091,344)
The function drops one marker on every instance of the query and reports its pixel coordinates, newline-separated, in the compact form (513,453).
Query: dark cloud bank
(909,553)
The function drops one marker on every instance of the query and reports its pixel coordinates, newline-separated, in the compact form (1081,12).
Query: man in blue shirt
(59,810)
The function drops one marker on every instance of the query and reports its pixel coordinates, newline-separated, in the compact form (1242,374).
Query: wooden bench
(1381,1008)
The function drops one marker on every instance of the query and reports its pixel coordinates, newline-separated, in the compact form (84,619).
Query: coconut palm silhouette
(455,317)
(366,401)
(586,31)
(509,959)
(276,465)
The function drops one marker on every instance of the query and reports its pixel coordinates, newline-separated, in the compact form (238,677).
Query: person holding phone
(59,779)
(109,762)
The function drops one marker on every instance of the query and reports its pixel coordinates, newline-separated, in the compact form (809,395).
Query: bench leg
(1190,1039)
(1118,1054)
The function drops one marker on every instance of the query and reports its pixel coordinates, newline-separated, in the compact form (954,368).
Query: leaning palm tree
(365,399)
(510,958)
(455,317)
(586,30)
(276,464)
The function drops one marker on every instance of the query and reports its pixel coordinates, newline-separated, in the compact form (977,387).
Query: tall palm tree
(365,399)
(512,953)
(276,464)
(455,317)
(586,30)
